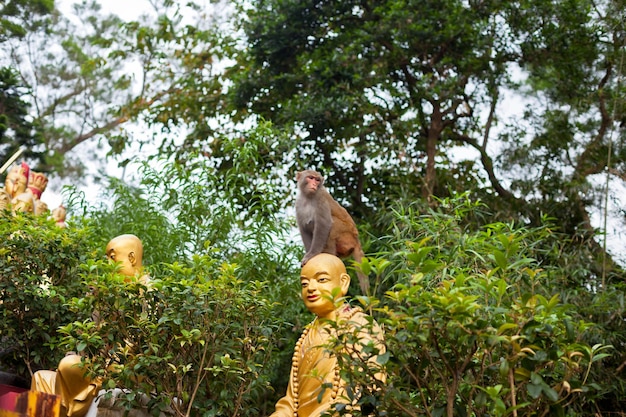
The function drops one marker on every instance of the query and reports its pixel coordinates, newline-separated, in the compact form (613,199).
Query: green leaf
(383,359)
(500,259)
(534,390)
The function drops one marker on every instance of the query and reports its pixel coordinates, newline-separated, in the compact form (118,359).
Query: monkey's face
(309,181)
(312,183)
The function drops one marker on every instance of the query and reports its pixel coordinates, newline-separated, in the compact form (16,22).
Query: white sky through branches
(615,225)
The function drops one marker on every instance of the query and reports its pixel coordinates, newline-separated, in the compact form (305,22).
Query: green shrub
(38,274)
(473,324)
(197,340)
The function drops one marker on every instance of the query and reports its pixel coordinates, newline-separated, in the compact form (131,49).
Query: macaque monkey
(324,225)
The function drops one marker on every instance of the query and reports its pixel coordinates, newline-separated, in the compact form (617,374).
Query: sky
(127,10)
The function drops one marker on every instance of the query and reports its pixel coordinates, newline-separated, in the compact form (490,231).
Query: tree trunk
(434,132)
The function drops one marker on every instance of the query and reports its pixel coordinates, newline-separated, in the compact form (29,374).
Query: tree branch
(487,163)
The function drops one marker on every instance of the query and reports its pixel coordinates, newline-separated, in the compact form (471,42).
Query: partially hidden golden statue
(70,381)
(37,183)
(315,383)
(16,183)
(17,179)
(127,249)
(58,215)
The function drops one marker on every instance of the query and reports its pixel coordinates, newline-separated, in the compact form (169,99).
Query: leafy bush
(197,340)
(204,337)
(476,314)
(473,324)
(38,274)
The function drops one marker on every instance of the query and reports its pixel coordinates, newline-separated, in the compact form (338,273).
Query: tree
(18,17)
(16,128)
(385,95)
(573,54)
(88,82)
(397,83)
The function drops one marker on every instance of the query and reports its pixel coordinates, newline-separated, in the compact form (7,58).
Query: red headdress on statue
(37,183)
(24,171)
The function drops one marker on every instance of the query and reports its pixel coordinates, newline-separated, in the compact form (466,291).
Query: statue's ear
(132,258)
(344,282)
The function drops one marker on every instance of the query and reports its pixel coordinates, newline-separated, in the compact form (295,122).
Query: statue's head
(59,213)
(41,208)
(17,179)
(324,281)
(128,250)
(37,183)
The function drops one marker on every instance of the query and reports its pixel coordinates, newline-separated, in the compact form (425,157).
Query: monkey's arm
(321,231)
(306,235)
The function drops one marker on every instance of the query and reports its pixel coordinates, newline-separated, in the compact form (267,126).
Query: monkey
(325,226)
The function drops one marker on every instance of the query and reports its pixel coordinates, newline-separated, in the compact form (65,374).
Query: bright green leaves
(196,333)
(473,325)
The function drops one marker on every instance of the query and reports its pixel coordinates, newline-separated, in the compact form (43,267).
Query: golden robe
(69,382)
(314,370)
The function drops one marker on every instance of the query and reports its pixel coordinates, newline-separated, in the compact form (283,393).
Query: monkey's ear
(298,175)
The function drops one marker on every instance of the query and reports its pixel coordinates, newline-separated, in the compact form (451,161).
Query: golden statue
(128,250)
(70,382)
(15,188)
(76,390)
(58,215)
(314,367)
(17,179)
(37,183)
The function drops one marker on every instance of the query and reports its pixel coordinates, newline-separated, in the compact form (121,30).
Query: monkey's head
(309,181)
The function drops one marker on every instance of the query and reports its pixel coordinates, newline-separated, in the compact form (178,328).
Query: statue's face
(15,182)
(41,208)
(58,214)
(124,251)
(323,280)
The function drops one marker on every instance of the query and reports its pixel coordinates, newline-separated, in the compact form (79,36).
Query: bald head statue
(128,250)
(319,277)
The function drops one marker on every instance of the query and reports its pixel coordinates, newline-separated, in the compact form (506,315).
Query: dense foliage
(197,340)
(39,274)
(471,141)
(474,314)
(473,324)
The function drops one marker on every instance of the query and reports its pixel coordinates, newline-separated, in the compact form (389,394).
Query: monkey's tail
(364,282)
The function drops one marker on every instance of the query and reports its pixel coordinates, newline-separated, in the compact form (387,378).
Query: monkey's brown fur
(325,226)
